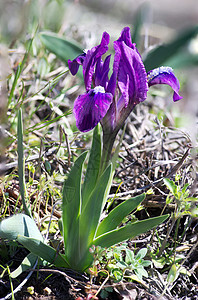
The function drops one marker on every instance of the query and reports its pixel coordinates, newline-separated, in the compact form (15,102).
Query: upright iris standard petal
(101,72)
(165,75)
(131,74)
(126,37)
(90,108)
(91,59)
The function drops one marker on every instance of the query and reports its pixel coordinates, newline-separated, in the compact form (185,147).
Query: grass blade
(19,70)
(21,163)
(16,77)
(140,18)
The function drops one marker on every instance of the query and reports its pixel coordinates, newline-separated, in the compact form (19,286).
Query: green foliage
(105,292)
(116,216)
(183,59)
(19,224)
(81,216)
(141,15)
(128,231)
(173,54)
(172,275)
(53,15)
(28,263)
(71,208)
(42,250)
(185,205)
(23,229)
(93,167)
(61,47)
(83,226)
(162,54)
(121,263)
(21,164)
(80,225)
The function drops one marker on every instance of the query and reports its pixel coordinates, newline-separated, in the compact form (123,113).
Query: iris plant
(110,99)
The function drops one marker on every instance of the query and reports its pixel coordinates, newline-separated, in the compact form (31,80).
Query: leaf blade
(61,47)
(128,232)
(94,207)
(21,163)
(93,166)
(71,208)
(158,56)
(19,224)
(44,251)
(27,263)
(90,216)
(115,217)
(170,184)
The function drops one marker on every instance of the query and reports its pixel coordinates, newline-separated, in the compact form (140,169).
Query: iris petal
(112,100)
(126,37)
(90,108)
(101,72)
(165,75)
(91,59)
(74,64)
(111,86)
(131,74)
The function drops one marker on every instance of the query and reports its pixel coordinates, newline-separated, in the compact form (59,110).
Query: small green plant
(172,259)
(121,263)
(184,205)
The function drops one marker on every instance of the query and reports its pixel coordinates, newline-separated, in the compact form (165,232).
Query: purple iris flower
(110,100)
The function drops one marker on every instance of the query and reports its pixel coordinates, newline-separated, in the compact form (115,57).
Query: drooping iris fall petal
(90,108)
(165,75)
(74,64)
